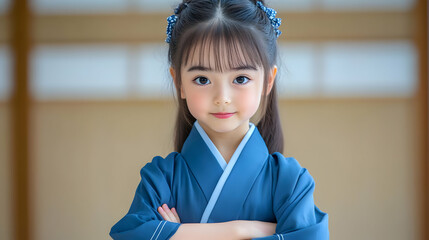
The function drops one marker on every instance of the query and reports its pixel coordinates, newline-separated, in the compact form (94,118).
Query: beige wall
(363,155)
(5,183)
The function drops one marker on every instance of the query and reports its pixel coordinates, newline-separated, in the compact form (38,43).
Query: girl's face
(222,101)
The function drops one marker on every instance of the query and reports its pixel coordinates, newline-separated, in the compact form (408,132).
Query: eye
(201,80)
(241,80)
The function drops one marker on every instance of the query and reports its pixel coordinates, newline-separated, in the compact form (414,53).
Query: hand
(169,215)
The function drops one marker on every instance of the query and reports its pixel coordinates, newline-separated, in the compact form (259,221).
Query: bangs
(223,46)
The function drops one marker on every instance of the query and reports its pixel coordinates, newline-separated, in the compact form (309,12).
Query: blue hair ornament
(171,21)
(271,14)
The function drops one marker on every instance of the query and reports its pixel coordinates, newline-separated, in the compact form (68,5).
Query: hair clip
(171,20)
(271,13)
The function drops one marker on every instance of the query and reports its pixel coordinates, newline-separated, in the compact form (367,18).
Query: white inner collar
(216,152)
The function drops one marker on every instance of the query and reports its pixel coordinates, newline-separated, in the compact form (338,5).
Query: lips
(223,115)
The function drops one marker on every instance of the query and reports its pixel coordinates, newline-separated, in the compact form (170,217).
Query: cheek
(196,102)
(249,102)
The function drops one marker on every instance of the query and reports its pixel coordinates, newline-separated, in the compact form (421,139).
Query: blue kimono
(254,185)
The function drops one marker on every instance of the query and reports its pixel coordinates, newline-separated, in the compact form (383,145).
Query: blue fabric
(216,152)
(261,186)
(226,168)
(211,145)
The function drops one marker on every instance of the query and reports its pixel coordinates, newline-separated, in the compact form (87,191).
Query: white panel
(4,6)
(369,69)
(296,70)
(154,77)
(166,6)
(79,6)
(368,4)
(292,5)
(79,71)
(5,73)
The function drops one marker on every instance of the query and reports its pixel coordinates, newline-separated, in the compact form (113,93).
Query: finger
(169,213)
(176,215)
(173,217)
(163,214)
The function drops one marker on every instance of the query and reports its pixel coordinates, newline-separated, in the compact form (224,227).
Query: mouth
(223,115)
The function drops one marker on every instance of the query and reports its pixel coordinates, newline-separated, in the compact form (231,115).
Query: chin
(223,130)
(225,127)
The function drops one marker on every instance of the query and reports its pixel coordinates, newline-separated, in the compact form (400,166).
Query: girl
(227,178)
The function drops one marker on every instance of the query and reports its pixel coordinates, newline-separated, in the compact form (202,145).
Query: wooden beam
(421,39)
(341,26)
(137,28)
(20,120)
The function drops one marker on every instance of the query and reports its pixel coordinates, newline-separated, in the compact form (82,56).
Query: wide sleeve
(143,220)
(293,204)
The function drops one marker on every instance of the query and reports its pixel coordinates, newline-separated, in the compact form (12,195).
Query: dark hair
(239,26)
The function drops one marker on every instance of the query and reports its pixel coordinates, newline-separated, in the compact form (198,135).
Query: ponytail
(184,122)
(270,126)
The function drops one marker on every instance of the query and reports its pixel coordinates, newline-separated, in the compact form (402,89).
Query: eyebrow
(206,69)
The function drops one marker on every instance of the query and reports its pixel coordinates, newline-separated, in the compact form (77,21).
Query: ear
(271,78)
(173,75)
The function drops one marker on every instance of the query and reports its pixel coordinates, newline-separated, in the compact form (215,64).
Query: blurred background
(86,101)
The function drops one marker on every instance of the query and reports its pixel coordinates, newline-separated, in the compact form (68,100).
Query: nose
(220,101)
(222,96)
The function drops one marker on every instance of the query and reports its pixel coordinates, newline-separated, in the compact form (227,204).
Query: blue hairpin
(271,13)
(171,20)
